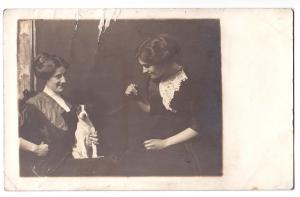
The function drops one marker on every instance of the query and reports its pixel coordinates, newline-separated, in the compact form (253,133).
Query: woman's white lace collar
(168,87)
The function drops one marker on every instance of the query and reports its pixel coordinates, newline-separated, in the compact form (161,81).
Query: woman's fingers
(149,147)
(42,149)
(131,90)
(148,141)
(93,135)
(94,139)
(154,144)
(45,146)
(149,144)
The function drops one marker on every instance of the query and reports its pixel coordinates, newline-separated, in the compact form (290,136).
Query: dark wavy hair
(44,65)
(158,49)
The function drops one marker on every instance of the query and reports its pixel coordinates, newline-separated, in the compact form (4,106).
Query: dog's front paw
(84,153)
(76,154)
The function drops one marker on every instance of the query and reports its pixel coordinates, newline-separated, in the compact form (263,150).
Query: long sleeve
(186,103)
(30,125)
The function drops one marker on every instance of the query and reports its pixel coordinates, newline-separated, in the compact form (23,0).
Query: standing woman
(172,104)
(47,123)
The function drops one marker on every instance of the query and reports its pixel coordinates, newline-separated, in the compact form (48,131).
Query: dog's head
(94,105)
(82,112)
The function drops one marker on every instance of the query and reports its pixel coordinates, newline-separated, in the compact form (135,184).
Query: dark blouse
(176,160)
(184,102)
(42,119)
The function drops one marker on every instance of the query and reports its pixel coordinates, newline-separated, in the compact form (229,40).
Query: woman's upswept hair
(44,65)
(158,49)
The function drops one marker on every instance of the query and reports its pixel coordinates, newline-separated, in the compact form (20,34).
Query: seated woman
(47,127)
(171,102)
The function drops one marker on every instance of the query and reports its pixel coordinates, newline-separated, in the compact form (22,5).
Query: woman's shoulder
(32,105)
(187,88)
(39,100)
(182,81)
(38,97)
(192,83)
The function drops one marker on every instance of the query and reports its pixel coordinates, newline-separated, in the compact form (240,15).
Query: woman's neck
(50,91)
(172,70)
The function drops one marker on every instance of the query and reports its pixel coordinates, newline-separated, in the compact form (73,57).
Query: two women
(47,122)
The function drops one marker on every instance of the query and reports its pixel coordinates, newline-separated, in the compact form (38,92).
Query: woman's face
(154,71)
(57,81)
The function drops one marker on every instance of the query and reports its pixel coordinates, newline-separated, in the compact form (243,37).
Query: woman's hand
(92,139)
(155,144)
(132,90)
(41,150)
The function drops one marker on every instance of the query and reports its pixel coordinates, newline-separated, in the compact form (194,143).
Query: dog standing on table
(85,129)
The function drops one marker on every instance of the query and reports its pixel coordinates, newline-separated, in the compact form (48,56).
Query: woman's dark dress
(179,159)
(42,119)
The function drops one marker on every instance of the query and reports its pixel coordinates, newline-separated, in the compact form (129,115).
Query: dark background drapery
(101,70)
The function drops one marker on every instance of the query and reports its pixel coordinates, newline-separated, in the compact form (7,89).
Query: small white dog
(85,128)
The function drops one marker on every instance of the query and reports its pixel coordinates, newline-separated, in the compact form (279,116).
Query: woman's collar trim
(168,87)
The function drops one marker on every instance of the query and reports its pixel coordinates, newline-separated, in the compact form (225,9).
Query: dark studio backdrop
(100,71)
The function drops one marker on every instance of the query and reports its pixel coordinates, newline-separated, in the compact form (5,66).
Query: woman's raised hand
(132,90)
(41,149)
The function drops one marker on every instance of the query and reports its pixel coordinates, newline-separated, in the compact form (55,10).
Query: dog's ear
(78,109)
(88,108)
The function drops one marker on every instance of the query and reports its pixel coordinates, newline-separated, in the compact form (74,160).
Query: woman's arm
(132,92)
(158,144)
(183,136)
(39,150)
(142,103)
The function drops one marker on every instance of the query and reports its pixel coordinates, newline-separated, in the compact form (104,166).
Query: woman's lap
(173,161)
(85,167)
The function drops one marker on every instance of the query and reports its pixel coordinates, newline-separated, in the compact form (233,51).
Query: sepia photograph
(126,91)
(154,98)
